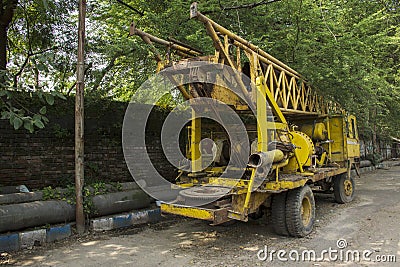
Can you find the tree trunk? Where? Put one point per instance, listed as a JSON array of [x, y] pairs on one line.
[[7, 9], [3, 47], [375, 141], [3, 53]]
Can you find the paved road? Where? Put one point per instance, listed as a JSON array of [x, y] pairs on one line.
[[371, 222]]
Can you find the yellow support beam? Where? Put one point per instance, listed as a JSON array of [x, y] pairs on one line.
[[195, 143], [262, 145], [202, 214], [249, 189]]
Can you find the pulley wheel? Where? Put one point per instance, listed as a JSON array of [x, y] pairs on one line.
[[204, 192]]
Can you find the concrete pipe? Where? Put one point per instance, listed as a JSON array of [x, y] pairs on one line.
[[38, 213], [14, 198], [120, 202], [365, 163], [24, 215], [20, 197]]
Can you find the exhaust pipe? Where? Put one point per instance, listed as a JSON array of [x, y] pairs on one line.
[[261, 158]]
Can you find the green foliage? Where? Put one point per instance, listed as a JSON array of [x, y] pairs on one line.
[[348, 49], [88, 192], [50, 193], [35, 59], [60, 132], [14, 107], [374, 158]]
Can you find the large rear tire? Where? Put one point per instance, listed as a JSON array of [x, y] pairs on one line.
[[343, 188], [300, 211], [278, 214]]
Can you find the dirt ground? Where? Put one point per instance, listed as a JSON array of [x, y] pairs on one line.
[[371, 222]]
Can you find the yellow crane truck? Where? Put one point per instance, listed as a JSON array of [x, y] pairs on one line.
[[311, 144]]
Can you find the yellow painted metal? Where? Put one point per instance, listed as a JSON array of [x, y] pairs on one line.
[[258, 159], [262, 131], [329, 138], [220, 47], [276, 125], [237, 216], [306, 210], [282, 184], [191, 212], [321, 161], [257, 198], [180, 185], [285, 185], [238, 61], [292, 93], [254, 48], [304, 150], [307, 173], [223, 94], [337, 133], [195, 143], [228, 182], [288, 94], [278, 155], [262, 134], [348, 187], [160, 65], [180, 87], [353, 148], [352, 142], [316, 131], [277, 168], [249, 189], [288, 88], [215, 170], [293, 166], [275, 108]]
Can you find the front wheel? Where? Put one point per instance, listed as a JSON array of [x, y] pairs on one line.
[[300, 211], [343, 188]]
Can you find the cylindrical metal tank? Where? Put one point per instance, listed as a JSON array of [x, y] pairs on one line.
[[316, 131]]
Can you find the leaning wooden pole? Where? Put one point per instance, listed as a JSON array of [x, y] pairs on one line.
[[79, 120]]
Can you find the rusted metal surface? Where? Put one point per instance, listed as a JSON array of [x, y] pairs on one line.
[[216, 216]]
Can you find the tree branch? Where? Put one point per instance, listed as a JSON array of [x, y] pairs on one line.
[[131, 7], [28, 32], [249, 6], [104, 72], [110, 65], [297, 31], [7, 9], [326, 24], [29, 55]]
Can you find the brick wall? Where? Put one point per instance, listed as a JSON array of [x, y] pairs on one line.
[[46, 157]]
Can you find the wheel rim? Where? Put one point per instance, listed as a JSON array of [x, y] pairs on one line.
[[348, 188], [306, 211]]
